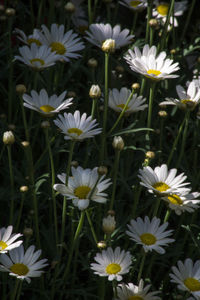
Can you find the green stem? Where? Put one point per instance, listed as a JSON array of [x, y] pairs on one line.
[[90, 11], [164, 32], [134, 22], [167, 215], [114, 284], [91, 227], [187, 117], [151, 95], [141, 266], [14, 293], [149, 14], [11, 184], [115, 170], [135, 202], [156, 207], [94, 103], [20, 210], [191, 7], [19, 290], [24, 119], [122, 113]]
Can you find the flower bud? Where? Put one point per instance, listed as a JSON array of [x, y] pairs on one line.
[[118, 143], [109, 224], [162, 113], [95, 91], [102, 170], [10, 12], [45, 124], [20, 89], [173, 51], [135, 86], [71, 94], [25, 144], [28, 232], [70, 7], [8, 138], [101, 245], [92, 62], [74, 163], [23, 189], [153, 23], [119, 69], [108, 46], [111, 212], [150, 154]]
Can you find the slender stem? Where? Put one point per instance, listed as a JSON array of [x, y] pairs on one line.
[[149, 14], [151, 95], [156, 207], [115, 170], [122, 113], [10, 64], [164, 32], [14, 293], [20, 210], [167, 215], [191, 7], [141, 266], [11, 184], [19, 290], [90, 11], [114, 284], [134, 22], [135, 202], [24, 119], [91, 227], [52, 184], [187, 117], [94, 103]]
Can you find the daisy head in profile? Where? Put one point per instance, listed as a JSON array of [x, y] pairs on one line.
[[23, 265], [83, 186], [112, 263], [77, 127], [28, 39], [8, 239], [162, 181], [150, 64], [135, 5], [150, 234], [131, 291], [107, 38], [187, 276], [45, 105]]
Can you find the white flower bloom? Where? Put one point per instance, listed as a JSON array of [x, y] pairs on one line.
[[189, 97], [37, 57], [150, 65], [112, 264], [44, 104], [161, 11], [83, 186], [131, 291], [23, 265], [183, 202], [76, 127], [163, 181], [187, 276], [118, 99], [135, 5], [7, 239], [64, 44], [150, 234], [100, 33], [32, 38]]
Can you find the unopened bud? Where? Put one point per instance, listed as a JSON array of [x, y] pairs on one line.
[[20, 88], [92, 62], [25, 144], [23, 189], [8, 138], [119, 69], [109, 224], [173, 51], [95, 92], [45, 124], [28, 232], [118, 143], [71, 94], [10, 12], [153, 22], [101, 245], [111, 212], [11, 126], [162, 113], [70, 7], [108, 46], [74, 163], [150, 154], [102, 170], [135, 86]]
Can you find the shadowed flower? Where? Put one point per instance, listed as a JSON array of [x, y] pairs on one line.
[[7, 239]]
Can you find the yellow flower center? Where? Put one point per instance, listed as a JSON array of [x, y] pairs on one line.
[[185, 101], [77, 131], [175, 199], [46, 108], [135, 298], [113, 268], [59, 48], [82, 191], [192, 284], [148, 239], [31, 40], [19, 269], [122, 106], [161, 186], [162, 9], [3, 245], [153, 72], [41, 61], [134, 3]]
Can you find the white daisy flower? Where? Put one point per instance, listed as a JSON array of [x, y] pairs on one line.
[[187, 98], [7, 239], [37, 57], [80, 187], [187, 276], [100, 34], [32, 38], [161, 11], [183, 202], [44, 104], [76, 127], [151, 66], [23, 265], [118, 99], [150, 234], [131, 291], [64, 44], [112, 264], [163, 181], [135, 5]]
